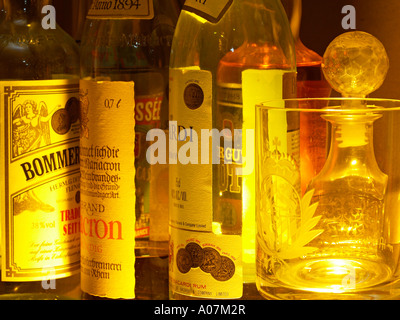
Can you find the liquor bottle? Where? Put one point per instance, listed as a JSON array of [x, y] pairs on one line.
[[125, 52], [226, 57], [311, 83], [40, 204]]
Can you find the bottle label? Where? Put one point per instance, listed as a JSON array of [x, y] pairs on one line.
[[40, 207], [119, 9], [190, 178], [108, 189], [211, 10], [219, 275], [205, 265]]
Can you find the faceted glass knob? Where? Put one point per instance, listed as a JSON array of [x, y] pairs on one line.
[[355, 64]]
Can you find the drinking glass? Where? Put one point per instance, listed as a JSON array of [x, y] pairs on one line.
[[327, 198]]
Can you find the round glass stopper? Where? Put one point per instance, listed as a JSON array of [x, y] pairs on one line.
[[355, 64]]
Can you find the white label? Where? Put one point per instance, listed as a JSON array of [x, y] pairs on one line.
[[120, 9], [190, 180], [108, 189], [206, 265]]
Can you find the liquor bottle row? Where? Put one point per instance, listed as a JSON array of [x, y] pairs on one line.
[[106, 192]]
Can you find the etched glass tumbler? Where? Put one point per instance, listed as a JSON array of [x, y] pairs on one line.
[[328, 190]]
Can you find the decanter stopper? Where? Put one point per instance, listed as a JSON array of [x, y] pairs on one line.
[[355, 64]]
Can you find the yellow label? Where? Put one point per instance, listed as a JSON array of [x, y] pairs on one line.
[[212, 10], [258, 86], [236, 110], [108, 189], [120, 9], [206, 265], [40, 205]]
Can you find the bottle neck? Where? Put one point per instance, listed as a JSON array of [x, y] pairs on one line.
[[25, 9], [352, 147], [255, 11]]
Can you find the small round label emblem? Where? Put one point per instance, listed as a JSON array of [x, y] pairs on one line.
[[193, 96]]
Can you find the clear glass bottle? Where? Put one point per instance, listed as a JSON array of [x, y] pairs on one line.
[[226, 57], [39, 76], [136, 48], [349, 193]]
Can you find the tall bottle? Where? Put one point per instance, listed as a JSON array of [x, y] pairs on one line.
[[311, 83], [40, 204], [125, 52], [226, 57]]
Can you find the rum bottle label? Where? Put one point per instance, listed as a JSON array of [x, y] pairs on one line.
[[40, 210], [206, 265], [204, 262], [190, 180]]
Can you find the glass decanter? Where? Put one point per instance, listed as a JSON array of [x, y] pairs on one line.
[[330, 242], [349, 192]]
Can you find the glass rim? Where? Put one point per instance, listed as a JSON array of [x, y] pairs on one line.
[[372, 104]]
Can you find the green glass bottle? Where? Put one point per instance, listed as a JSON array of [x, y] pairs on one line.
[[40, 204]]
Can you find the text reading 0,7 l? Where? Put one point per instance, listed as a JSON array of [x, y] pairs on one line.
[[111, 103]]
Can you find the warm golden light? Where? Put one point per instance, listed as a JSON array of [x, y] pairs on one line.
[[249, 220], [216, 228], [197, 17]]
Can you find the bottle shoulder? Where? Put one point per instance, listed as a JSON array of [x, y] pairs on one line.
[[249, 34], [117, 47], [31, 52], [34, 34]]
